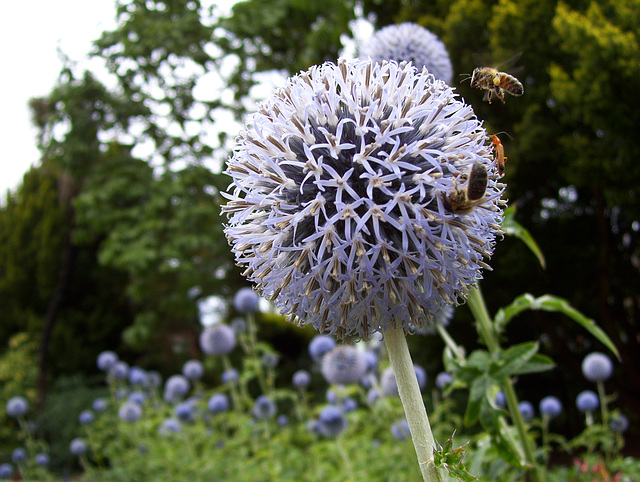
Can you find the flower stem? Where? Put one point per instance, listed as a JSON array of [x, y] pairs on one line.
[[489, 336], [412, 401]]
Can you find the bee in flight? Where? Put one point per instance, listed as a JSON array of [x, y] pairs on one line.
[[495, 83], [463, 200]]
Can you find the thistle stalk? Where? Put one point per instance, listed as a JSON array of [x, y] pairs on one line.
[[489, 336], [414, 409]]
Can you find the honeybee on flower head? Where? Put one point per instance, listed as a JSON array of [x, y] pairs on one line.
[[495, 83]]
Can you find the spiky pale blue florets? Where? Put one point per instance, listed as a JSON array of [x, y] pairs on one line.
[[412, 43], [344, 365], [341, 208], [597, 367]]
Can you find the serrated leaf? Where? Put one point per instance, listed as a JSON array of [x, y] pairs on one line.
[[512, 359], [513, 228], [450, 459]]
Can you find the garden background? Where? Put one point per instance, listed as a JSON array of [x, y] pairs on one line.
[[115, 239]]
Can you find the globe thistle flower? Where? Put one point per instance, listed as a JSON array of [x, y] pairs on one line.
[[301, 379], [597, 367], [17, 407], [6, 471], [372, 361], [550, 406], [400, 429], [99, 405], [129, 412], [106, 360], [218, 403], [193, 369], [348, 404], [264, 408], [526, 410], [18, 456], [331, 421], [270, 360], [217, 340], [344, 365], [372, 395], [239, 326], [154, 379], [176, 388], [619, 423], [587, 401], [246, 301], [389, 383], [43, 459], [230, 376], [185, 410], [137, 398], [443, 379], [169, 426], [86, 417], [282, 420], [137, 376], [348, 208], [119, 370], [320, 345], [412, 43], [442, 316], [78, 447]]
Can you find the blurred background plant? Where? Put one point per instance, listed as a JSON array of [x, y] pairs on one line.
[[115, 242]]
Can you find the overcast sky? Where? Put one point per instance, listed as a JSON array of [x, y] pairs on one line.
[[30, 35]]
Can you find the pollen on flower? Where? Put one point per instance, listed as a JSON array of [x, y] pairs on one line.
[[338, 208]]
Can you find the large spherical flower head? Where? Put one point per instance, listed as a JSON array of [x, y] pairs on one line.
[[6, 471], [320, 345], [344, 365], [597, 367], [264, 408], [218, 403], [587, 401], [527, 411], [129, 412], [331, 421], [217, 340], [77, 446], [412, 43], [17, 407], [550, 406], [176, 388], [193, 369], [348, 208], [106, 360], [246, 300]]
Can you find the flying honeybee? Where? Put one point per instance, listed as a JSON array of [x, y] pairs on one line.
[[462, 200], [495, 83], [498, 149]]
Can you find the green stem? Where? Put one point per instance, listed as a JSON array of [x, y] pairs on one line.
[[450, 342], [489, 336], [603, 403], [414, 409]]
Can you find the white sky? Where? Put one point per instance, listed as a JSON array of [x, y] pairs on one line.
[[30, 34]]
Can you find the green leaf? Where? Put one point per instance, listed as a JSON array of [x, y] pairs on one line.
[[538, 363], [450, 459], [513, 228], [513, 358], [553, 304], [477, 392]]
